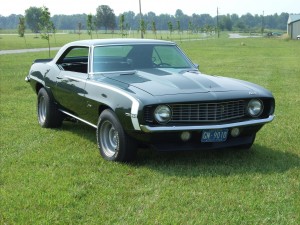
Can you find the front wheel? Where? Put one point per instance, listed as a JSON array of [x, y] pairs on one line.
[[114, 144]]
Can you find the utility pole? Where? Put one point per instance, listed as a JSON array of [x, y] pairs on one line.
[[218, 22], [142, 35]]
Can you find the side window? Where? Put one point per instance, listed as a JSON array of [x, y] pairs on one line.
[[75, 59]]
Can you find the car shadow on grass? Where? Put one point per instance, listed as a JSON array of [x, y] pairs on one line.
[[225, 162], [80, 129], [222, 162]]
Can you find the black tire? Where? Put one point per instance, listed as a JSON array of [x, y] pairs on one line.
[[114, 144], [48, 115]]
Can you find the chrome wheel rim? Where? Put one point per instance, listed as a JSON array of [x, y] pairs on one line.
[[42, 110], [109, 139]]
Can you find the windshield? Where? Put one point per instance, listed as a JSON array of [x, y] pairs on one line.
[[135, 57]]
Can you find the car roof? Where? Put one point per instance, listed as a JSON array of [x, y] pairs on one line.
[[113, 41]]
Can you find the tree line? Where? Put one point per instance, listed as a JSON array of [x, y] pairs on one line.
[[105, 19]]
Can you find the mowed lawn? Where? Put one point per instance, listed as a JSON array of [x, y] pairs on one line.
[[56, 176]]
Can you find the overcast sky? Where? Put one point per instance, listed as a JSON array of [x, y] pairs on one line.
[[240, 7]]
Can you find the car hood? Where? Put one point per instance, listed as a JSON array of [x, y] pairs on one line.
[[158, 82]]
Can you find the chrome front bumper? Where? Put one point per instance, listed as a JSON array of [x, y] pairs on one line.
[[149, 129]]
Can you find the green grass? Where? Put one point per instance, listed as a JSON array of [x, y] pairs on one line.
[[56, 176]]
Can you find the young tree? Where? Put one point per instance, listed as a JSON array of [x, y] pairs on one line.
[[79, 29], [190, 27], [54, 32], [121, 25], [154, 29], [95, 27], [170, 27], [90, 25], [143, 27], [46, 26], [179, 28], [21, 26]]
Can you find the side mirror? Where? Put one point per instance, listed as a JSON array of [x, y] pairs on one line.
[[196, 65]]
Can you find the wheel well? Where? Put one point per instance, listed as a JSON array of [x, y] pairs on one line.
[[38, 87], [102, 108]]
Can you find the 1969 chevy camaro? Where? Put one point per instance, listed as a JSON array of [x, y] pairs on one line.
[[138, 91]]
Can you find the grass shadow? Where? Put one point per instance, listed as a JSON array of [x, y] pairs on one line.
[[225, 162], [80, 129]]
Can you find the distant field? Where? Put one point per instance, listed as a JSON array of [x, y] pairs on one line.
[[56, 176]]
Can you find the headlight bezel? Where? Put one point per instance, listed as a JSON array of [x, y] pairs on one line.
[[160, 114], [255, 108]]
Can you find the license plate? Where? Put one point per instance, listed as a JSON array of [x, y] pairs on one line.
[[218, 135]]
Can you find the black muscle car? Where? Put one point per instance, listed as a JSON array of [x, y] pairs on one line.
[[138, 91]]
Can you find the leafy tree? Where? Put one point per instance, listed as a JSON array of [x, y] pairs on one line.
[[21, 27], [150, 16], [234, 19], [70, 22], [46, 26], [226, 23], [130, 19], [32, 18], [105, 17], [9, 22], [248, 20], [281, 22], [179, 14], [241, 25], [90, 25]]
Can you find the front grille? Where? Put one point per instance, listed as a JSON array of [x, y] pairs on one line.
[[203, 112]]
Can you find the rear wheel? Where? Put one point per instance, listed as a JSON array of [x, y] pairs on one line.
[[48, 115], [114, 144]]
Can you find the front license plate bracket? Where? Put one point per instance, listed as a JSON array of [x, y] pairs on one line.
[[214, 135]]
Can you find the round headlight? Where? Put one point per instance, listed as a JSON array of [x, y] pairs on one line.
[[162, 114], [255, 108]]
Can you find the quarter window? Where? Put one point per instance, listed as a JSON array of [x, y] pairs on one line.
[[75, 59]]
